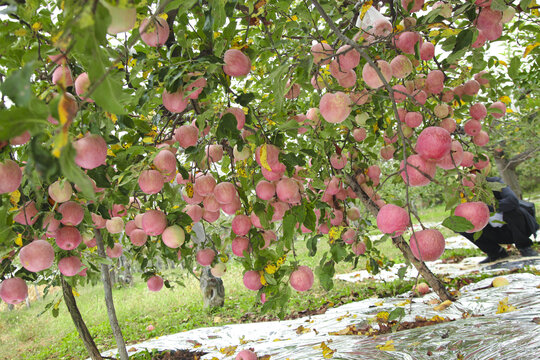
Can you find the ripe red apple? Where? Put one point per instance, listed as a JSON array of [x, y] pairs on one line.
[[335, 108], [246, 355], [70, 266], [430, 242], [187, 135], [225, 192], [476, 212], [205, 256], [10, 176], [359, 248], [154, 283], [359, 134], [472, 127], [348, 58], [62, 75], [422, 288], [500, 106], [151, 181], [481, 139], [91, 151], [433, 143], [302, 279], [241, 224], [72, 213], [412, 176], [427, 51], [370, 77], [252, 280], [138, 237], [37, 256], [154, 222], [82, 84], [154, 33], [453, 158], [204, 185], [393, 220], [13, 290], [322, 53], [478, 111], [20, 139], [237, 64], [115, 251], [416, 5], [239, 245], [68, 238]]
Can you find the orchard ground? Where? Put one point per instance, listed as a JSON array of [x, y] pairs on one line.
[[24, 334]]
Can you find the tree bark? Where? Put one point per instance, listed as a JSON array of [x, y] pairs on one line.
[[73, 310], [438, 287], [113, 321]]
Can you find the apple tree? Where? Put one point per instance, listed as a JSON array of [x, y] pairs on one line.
[[125, 123]]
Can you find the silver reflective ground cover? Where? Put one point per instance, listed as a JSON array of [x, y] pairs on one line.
[[510, 335]]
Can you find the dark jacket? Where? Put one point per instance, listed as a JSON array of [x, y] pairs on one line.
[[521, 223]]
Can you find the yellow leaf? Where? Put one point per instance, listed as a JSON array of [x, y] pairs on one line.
[[365, 8], [505, 99], [270, 268], [188, 228], [18, 240], [503, 63], [147, 140], [75, 293], [503, 306], [20, 32], [36, 26], [164, 16], [530, 48], [388, 346], [443, 305], [263, 157], [189, 189], [383, 315], [302, 330], [403, 303], [14, 197], [327, 352], [380, 303]]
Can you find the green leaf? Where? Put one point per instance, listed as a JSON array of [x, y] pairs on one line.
[[496, 186], [311, 244], [477, 235], [245, 99], [457, 223], [464, 39], [338, 252], [74, 173], [498, 5], [396, 314], [17, 86], [513, 69], [402, 271], [289, 223], [16, 120], [260, 211], [310, 218], [227, 128], [109, 94], [325, 273]]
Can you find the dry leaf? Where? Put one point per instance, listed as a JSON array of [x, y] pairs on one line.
[[503, 307], [388, 346], [229, 350], [302, 330], [327, 352], [442, 306]]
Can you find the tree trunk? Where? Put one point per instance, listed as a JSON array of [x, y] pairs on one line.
[[508, 172], [120, 343], [73, 310], [212, 289], [433, 281]]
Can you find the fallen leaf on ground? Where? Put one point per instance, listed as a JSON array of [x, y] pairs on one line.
[[503, 307], [388, 346], [442, 306]]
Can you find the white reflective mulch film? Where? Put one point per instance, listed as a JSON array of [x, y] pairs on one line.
[[467, 266], [512, 334]]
